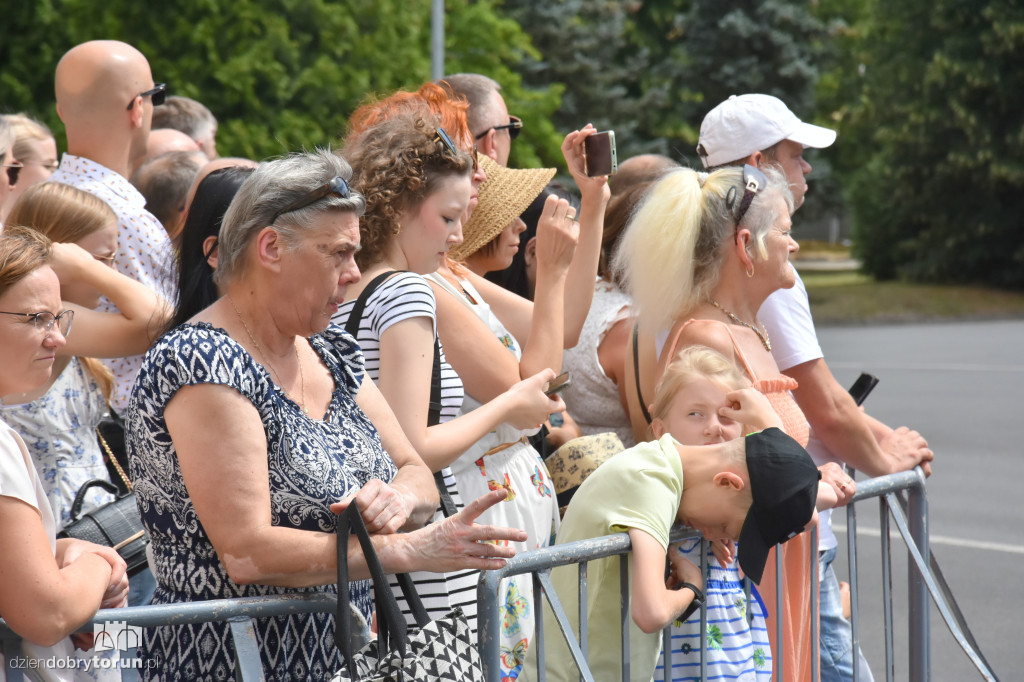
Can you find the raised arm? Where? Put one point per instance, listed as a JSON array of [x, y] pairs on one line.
[[142, 315]]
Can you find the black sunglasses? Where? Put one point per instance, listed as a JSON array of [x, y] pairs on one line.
[[158, 93], [13, 171], [514, 126], [753, 182], [337, 186]]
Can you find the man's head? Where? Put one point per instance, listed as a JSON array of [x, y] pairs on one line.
[[192, 118], [165, 141], [165, 181], [105, 97], [637, 170], [760, 490], [760, 129], [488, 116]]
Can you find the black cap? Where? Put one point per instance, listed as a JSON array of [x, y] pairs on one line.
[[784, 486]]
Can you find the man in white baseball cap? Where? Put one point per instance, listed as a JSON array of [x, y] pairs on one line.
[[758, 128], [761, 130]]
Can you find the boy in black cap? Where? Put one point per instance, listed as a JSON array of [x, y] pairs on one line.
[[760, 490]]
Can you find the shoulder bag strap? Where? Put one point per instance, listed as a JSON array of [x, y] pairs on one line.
[[356, 316], [636, 372]]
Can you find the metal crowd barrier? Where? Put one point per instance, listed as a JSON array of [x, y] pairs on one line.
[[910, 517], [238, 613], [912, 525]]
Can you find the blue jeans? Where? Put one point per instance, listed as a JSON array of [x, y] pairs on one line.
[[141, 588], [836, 634]]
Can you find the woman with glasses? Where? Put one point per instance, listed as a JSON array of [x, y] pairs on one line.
[[701, 254], [36, 150], [50, 587], [59, 417], [418, 188], [253, 423]]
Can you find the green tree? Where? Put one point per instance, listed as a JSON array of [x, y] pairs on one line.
[[940, 195], [279, 74]]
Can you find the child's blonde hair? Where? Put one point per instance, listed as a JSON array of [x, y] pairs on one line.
[[690, 364]]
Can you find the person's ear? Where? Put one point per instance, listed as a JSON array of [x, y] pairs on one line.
[[530, 253], [136, 114], [485, 145], [658, 428], [210, 249], [729, 480], [754, 159], [269, 248], [742, 246]]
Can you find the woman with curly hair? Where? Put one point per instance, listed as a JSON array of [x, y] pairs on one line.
[[418, 188]]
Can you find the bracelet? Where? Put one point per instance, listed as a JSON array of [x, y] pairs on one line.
[[698, 601]]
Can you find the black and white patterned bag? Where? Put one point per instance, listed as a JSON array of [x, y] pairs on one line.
[[441, 650]]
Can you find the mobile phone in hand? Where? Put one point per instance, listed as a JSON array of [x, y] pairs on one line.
[[599, 154], [558, 384], [862, 387]]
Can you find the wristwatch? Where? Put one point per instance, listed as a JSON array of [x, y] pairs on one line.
[[698, 601]]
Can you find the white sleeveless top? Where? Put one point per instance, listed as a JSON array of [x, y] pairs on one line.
[[593, 398]]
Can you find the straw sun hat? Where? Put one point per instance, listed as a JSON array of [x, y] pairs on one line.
[[505, 194]]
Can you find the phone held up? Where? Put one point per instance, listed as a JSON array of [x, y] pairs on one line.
[[862, 387], [599, 154], [558, 384]]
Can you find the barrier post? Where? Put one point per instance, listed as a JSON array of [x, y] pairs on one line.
[[918, 599]]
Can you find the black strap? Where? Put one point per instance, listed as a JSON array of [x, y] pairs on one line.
[[76, 506], [392, 631], [636, 371], [434, 410]]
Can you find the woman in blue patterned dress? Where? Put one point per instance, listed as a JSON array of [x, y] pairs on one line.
[[251, 425]]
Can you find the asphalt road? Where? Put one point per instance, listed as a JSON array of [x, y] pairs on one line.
[[961, 386]]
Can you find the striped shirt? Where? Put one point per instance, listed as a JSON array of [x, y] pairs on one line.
[[406, 296]]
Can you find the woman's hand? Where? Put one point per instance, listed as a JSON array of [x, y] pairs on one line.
[[459, 543], [530, 406], [116, 594], [385, 508], [843, 486], [72, 263], [558, 232], [750, 407], [575, 158]]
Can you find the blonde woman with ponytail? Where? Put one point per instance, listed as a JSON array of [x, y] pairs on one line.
[[699, 258], [58, 419]]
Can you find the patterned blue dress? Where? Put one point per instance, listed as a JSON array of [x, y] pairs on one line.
[[312, 464]]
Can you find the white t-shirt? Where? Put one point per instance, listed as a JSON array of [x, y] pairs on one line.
[[786, 315]]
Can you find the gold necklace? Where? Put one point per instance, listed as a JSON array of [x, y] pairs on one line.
[[762, 335], [252, 337]]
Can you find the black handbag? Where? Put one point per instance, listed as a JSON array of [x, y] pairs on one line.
[[116, 524], [441, 650]]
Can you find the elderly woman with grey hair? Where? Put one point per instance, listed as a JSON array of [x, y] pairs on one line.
[[251, 424]]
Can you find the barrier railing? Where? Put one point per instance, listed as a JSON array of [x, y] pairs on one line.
[[912, 525], [238, 613]]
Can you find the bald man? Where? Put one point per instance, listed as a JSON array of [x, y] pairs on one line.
[[105, 97], [164, 141]]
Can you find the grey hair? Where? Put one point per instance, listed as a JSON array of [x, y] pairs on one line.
[[272, 187], [477, 89]]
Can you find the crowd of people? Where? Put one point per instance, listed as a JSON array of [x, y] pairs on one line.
[[265, 343]]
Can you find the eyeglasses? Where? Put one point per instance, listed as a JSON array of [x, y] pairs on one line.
[[442, 136], [13, 170], [514, 125], [337, 186], [44, 321], [158, 93], [753, 182]]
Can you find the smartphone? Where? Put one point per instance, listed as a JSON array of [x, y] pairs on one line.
[[862, 387], [558, 384], [599, 154]]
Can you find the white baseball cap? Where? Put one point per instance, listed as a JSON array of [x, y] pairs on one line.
[[744, 124]]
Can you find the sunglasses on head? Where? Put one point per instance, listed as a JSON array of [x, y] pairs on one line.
[[753, 182], [337, 187], [13, 171], [514, 126], [158, 93]]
